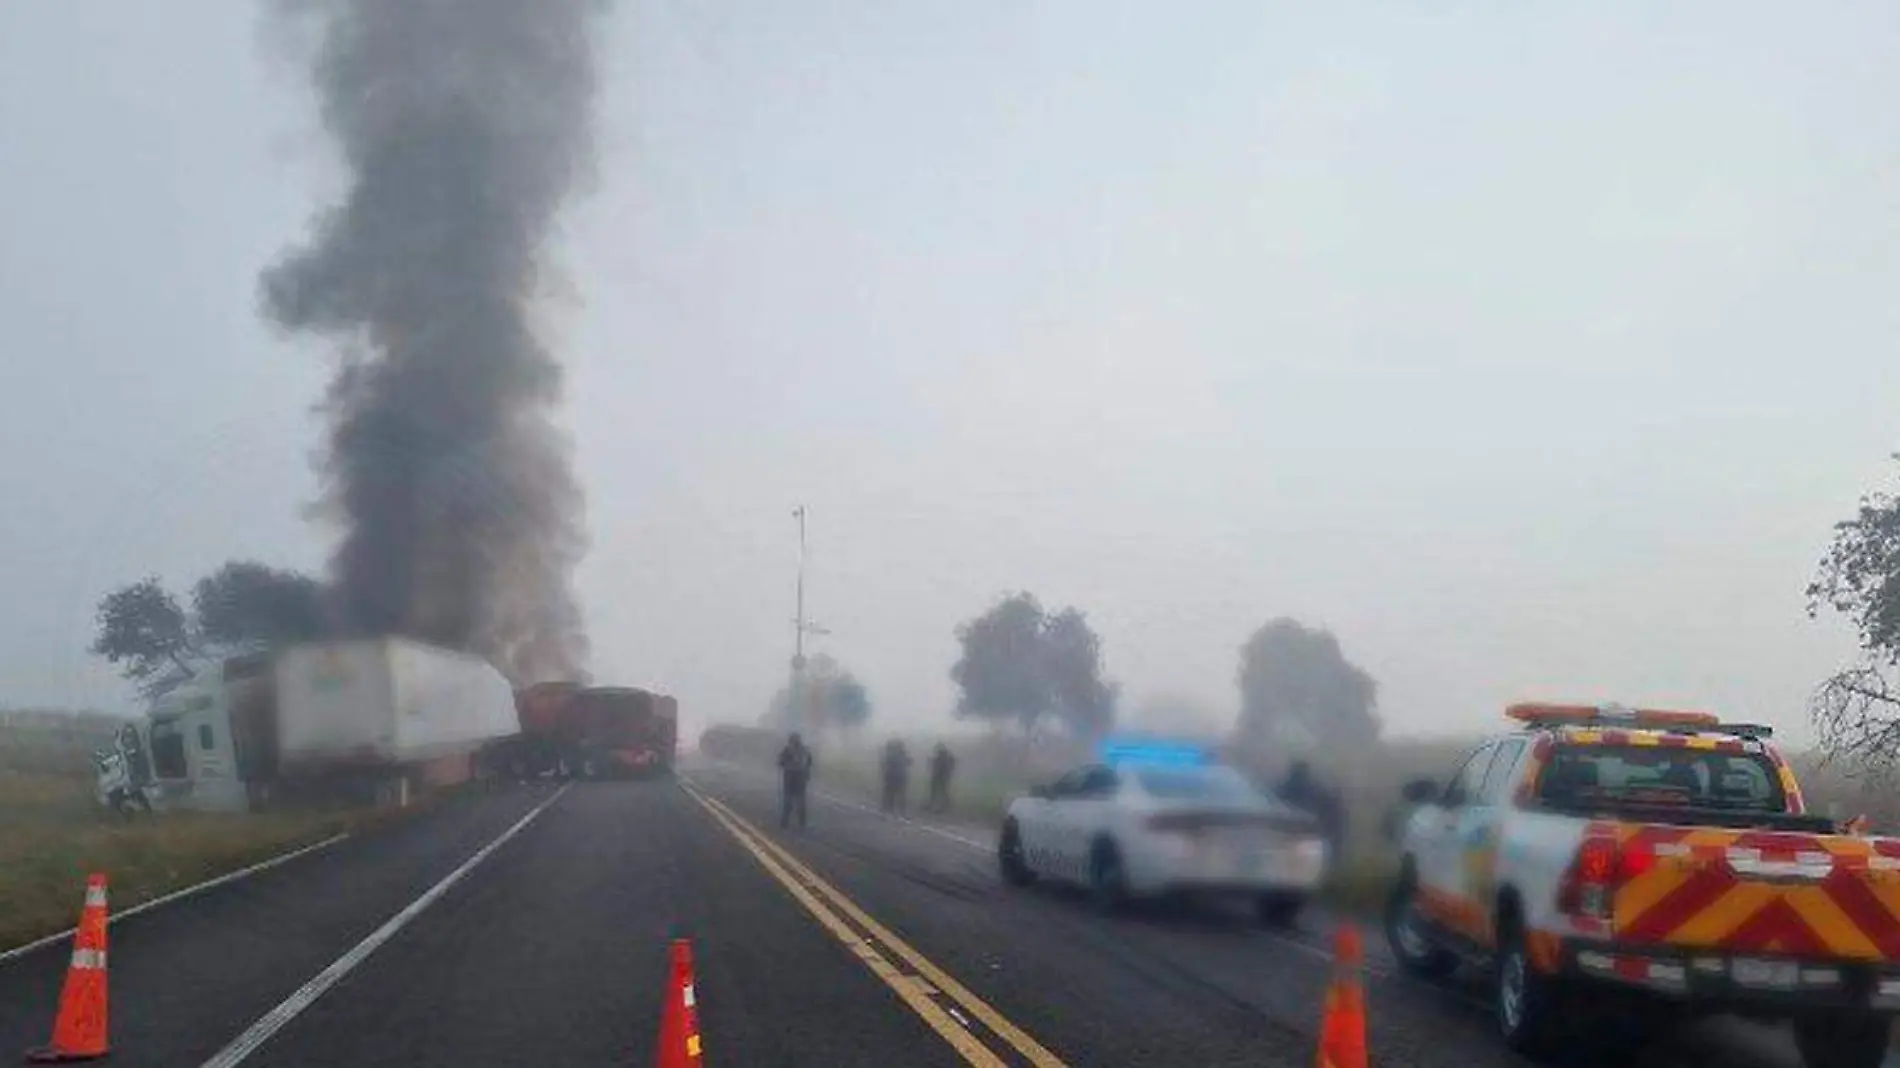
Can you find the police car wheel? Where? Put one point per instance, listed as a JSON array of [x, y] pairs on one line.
[[1278, 908], [1842, 1039], [1108, 882], [1009, 856]]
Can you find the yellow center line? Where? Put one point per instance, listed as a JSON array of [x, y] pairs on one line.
[[906, 987], [1031, 1050]]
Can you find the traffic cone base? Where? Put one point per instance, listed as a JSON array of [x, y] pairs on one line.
[[1342, 1029], [679, 1017], [79, 1031]]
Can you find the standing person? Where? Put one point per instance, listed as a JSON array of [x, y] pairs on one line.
[[794, 769], [1302, 789], [943, 764], [896, 776]]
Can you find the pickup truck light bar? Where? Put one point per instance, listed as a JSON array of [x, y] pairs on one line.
[[1550, 715]]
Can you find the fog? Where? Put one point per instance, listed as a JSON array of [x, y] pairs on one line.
[[1532, 352]]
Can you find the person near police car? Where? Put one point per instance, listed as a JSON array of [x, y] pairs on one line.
[[795, 763]]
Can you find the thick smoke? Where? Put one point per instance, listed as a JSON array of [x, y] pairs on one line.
[[462, 126]]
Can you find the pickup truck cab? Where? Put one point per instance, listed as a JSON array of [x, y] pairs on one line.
[[1603, 853]]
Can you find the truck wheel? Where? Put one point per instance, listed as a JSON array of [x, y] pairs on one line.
[[1842, 1039], [1528, 1003], [1405, 932], [1009, 856]]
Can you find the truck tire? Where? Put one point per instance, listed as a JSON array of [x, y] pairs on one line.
[[1528, 1004], [1843, 1039], [1411, 945]]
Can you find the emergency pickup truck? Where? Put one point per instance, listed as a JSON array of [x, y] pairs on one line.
[[1657, 859]]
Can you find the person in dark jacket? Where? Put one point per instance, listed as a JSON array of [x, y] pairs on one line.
[[1302, 789], [794, 769], [896, 776], [943, 764]]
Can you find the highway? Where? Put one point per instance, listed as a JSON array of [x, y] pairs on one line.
[[529, 925]]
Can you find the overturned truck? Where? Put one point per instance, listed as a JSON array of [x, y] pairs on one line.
[[366, 719]]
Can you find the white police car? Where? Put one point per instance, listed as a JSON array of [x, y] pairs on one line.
[[1152, 819]]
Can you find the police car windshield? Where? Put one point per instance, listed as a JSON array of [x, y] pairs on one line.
[[1198, 784], [1662, 776]]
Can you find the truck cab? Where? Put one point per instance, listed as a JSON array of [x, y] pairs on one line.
[[181, 755], [1656, 857]]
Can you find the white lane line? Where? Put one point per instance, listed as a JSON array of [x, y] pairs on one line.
[[165, 899], [860, 806], [906, 820], [273, 1021]]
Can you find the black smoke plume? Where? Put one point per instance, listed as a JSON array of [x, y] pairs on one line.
[[462, 127]]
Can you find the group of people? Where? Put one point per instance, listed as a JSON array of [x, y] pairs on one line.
[[894, 769], [796, 762]]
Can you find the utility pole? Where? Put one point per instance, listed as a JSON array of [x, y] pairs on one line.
[[797, 703], [798, 621], [800, 704]]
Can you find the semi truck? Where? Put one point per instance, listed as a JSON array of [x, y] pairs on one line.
[[625, 731], [569, 730], [366, 718]]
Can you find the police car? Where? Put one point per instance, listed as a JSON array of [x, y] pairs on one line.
[[1150, 819]]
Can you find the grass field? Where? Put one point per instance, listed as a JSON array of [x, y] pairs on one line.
[[54, 835]]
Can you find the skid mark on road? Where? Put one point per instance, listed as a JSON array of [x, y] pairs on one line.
[[274, 1021], [937, 998]]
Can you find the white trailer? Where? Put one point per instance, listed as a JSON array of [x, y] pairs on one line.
[[376, 715]]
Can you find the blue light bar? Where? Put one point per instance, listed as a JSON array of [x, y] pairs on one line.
[[1118, 751]]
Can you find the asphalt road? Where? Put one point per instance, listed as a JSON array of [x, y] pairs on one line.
[[862, 940]]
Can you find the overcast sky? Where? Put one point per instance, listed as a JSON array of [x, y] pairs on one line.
[[1531, 348]]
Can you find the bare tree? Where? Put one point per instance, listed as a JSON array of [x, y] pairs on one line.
[[1856, 711]]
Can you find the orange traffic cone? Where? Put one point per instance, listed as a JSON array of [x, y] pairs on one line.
[[679, 1018], [79, 1031], [1342, 1031]]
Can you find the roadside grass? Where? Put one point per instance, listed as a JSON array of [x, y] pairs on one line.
[[975, 799], [54, 834]]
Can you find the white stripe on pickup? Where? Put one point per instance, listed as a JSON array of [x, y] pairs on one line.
[[1810, 865]]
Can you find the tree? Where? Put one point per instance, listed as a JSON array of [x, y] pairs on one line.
[[830, 697], [1021, 664], [1296, 687], [1072, 659], [1856, 711], [246, 603], [242, 605], [1000, 674], [143, 631]]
